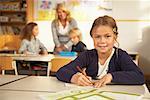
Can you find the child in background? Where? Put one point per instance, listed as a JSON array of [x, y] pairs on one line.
[[75, 36], [30, 44]]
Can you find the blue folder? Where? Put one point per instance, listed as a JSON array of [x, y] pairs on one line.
[[66, 53]]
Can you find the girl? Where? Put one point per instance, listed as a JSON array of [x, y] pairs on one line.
[[30, 44], [106, 62]]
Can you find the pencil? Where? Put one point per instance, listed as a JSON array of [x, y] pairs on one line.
[[81, 71]]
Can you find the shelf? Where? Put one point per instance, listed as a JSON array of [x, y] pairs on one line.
[[12, 11], [12, 23], [13, 16]]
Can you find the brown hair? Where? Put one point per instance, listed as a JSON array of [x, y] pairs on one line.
[[77, 32], [27, 31], [63, 8], [105, 20]]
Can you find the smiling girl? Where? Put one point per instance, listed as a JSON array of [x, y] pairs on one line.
[[106, 63]]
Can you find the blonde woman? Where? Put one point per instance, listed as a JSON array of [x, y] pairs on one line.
[[61, 25]]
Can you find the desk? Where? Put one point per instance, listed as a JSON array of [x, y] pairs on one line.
[[8, 50], [20, 95], [24, 57], [24, 95], [31, 87], [36, 84], [51, 84], [43, 58], [10, 78]]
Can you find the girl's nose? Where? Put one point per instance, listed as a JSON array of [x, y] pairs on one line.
[[102, 39]]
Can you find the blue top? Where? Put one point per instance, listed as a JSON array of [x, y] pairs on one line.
[[121, 67], [79, 47]]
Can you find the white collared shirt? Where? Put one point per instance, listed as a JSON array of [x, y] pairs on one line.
[[63, 30], [102, 69]]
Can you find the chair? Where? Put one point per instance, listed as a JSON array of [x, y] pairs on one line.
[[135, 57], [57, 63], [7, 63]]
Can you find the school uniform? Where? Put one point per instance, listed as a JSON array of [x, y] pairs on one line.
[[121, 67], [79, 47]]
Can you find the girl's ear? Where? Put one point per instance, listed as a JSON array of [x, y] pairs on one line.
[[115, 37]]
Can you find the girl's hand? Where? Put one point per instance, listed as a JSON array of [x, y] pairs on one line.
[[81, 79], [103, 81], [44, 53]]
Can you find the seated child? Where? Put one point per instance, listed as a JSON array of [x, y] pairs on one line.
[[30, 44], [75, 36]]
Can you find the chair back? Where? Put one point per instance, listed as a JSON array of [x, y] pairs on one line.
[[57, 63], [7, 63]]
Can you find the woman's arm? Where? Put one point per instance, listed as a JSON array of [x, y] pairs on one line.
[[54, 34]]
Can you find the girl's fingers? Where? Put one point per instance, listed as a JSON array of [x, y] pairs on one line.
[[84, 71], [83, 80], [98, 84]]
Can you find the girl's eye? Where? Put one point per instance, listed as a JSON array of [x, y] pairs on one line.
[[108, 36], [97, 36]]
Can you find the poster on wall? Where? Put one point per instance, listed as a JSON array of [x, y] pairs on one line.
[[43, 9], [82, 10]]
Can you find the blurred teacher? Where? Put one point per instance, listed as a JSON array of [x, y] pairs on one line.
[[61, 26]]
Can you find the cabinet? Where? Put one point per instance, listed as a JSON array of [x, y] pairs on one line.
[[9, 43], [13, 17]]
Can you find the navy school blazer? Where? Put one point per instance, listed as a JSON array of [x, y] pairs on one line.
[[121, 67]]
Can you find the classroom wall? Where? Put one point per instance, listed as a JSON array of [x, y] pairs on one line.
[[133, 20], [134, 28]]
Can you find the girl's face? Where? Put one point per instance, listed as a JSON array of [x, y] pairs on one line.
[[74, 38], [35, 31], [104, 39], [61, 14]]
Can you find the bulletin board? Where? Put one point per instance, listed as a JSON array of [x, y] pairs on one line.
[[81, 10]]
